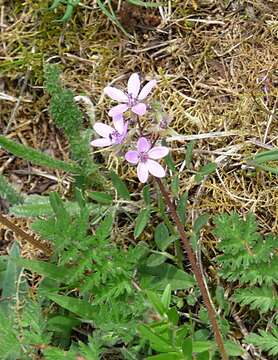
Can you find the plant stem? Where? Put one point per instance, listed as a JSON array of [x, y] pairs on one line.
[[195, 268], [36, 243]]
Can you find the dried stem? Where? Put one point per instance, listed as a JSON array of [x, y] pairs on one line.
[[36, 243], [195, 268]]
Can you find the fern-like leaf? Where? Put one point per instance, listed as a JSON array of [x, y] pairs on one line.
[[266, 341], [264, 298]]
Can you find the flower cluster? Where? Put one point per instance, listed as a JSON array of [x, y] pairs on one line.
[[134, 100]]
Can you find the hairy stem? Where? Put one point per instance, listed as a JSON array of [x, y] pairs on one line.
[[195, 268], [36, 243]]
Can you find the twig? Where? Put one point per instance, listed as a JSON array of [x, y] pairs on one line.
[[36, 243], [195, 268]]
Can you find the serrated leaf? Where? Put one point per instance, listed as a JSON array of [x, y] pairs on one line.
[[36, 157], [147, 195], [44, 268], [141, 222], [120, 186], [79, 307], [181, 207], [266, 341]]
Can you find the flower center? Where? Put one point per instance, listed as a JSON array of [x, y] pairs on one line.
[[116, 137], [131, 100], [143, 157]]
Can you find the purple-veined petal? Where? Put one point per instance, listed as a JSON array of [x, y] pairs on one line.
[[103, 129], [118, 122], [132, 157], [158, 152], [146, 89], [101, 142], [139, 109], [133, 85], [118, 110], [115, 94], [155, 169], [143, 145], [142, 172]]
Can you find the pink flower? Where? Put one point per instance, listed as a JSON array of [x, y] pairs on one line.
[[144, 159], [110, 135], [132, 99]]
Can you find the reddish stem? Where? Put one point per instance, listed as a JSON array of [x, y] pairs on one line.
[[195, 268]]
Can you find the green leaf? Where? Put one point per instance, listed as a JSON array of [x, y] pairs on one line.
[[141, 222], [167, 356], [162, 237], [79, 307], [44, 268], [187, 348], [62, 323], [10, 348], [147, 4], [156, 302], [101, 197], [175, 185], [181, 207], [204, 171], [266, 340], [166, 296], [197, 227], [111, 15], [120, 186], [147, 195], [233, 349], [159, 277], [270, 155], [188, 155], [202, 346], [155, 259], [158, 343], [9, 286], [7, 192], [36, 157]]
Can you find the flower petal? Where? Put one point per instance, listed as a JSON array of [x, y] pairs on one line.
[[115, 94], [103, 129], [133, 85], [118, 122], [132, 157], [143, 145], [146, 90], [139, 109], [155, 169], [142, 172], [101, 142], [118, 110], [158, 152]]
